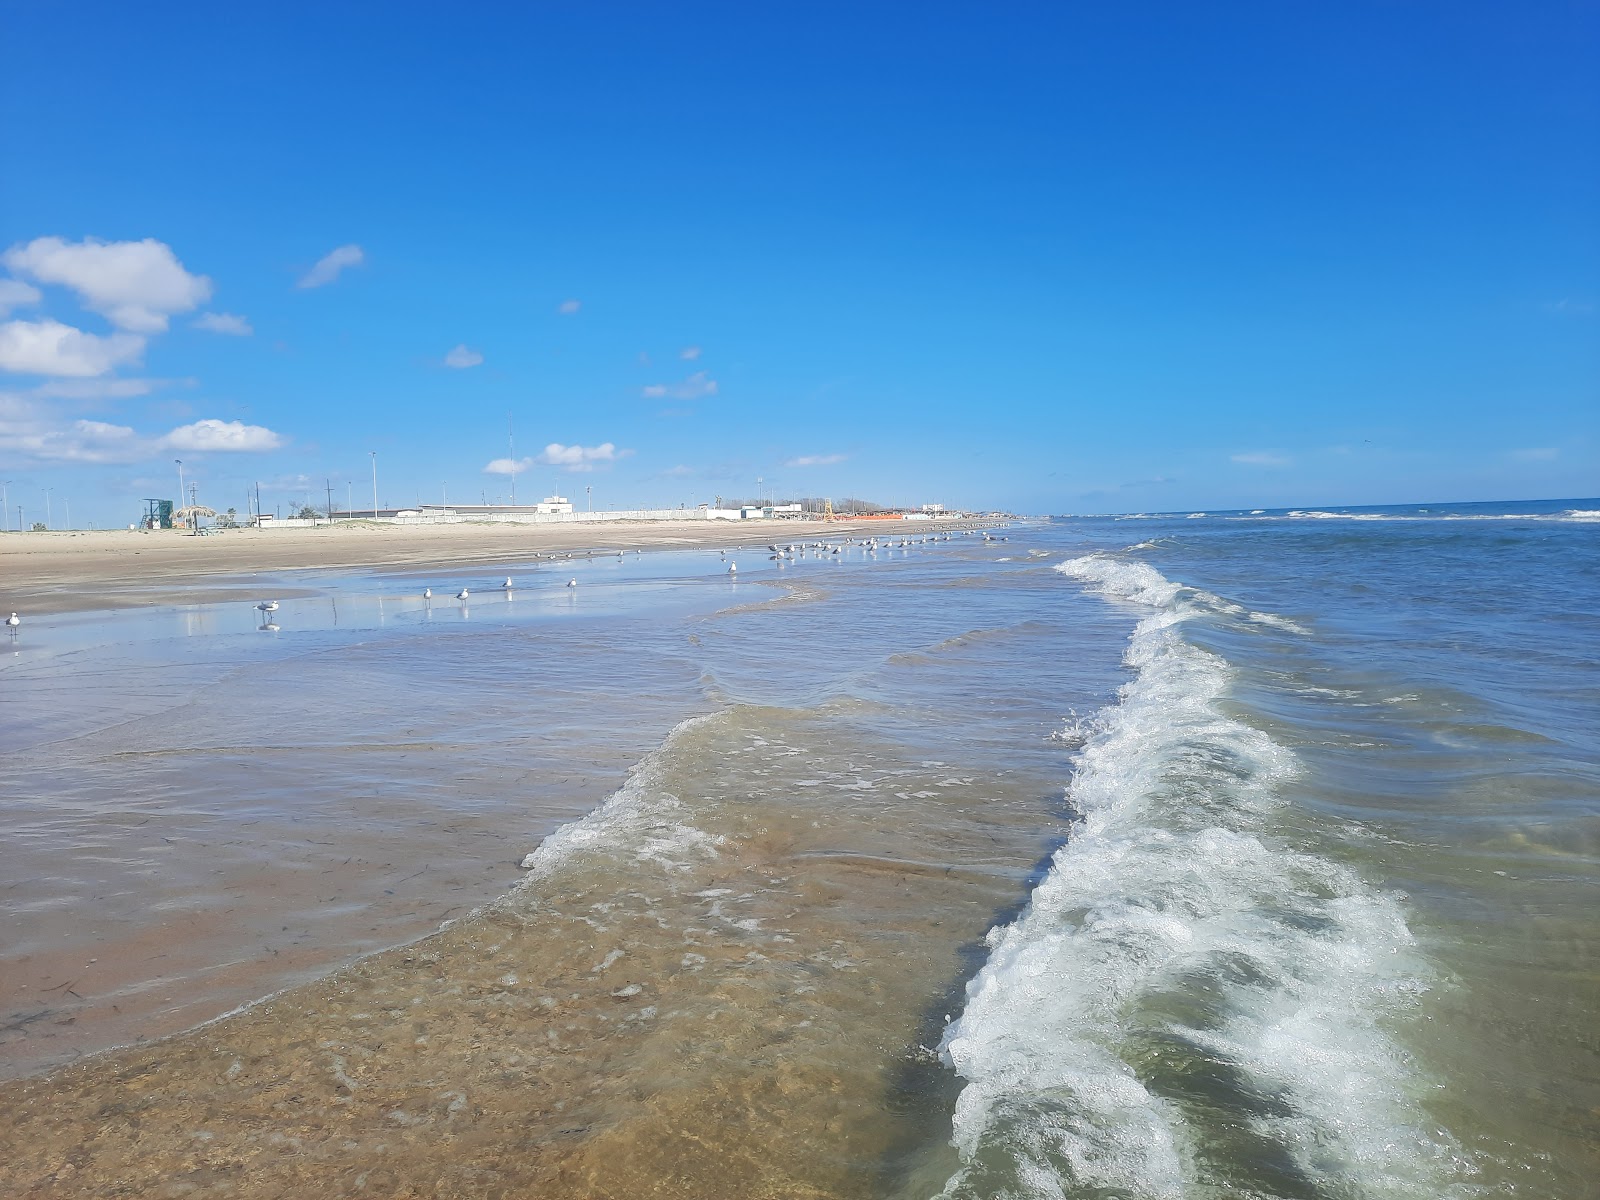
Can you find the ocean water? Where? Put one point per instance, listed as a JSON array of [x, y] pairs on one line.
[[1225, 854]]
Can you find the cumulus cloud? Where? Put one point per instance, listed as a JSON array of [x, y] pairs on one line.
[[30, 432], [229, 323], [580, 458], [1262, 458], [567, 307], [331, 265], [226, 436], [16, 294], [462, 358], [816, 460], [696, 387], [507, 466], [690, 353], [135, 285], [48, 347]]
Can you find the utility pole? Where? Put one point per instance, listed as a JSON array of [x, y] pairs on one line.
[[329, 484], [5, 506], [179, 461], [47, 492], [588, 490], [511, 444], [374, 454], [349, 494]]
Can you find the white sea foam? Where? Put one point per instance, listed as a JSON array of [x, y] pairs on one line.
[[1173, 939], [641, 820]]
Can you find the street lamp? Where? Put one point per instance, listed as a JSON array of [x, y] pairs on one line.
[[374, 454], [47, 521], [179, 461], [588, 490], [5, 507]]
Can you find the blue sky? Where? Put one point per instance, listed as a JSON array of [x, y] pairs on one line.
[[1050, 257]]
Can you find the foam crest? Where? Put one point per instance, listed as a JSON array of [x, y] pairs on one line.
[[1186, 1003], [641, 821]]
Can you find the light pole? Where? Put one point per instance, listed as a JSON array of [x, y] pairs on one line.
[[47, 492], [349, 493], [5, 506], [588, 490], [179, 461], [374, 454]]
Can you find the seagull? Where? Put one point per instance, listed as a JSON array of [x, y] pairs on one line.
[[268, 606], [462, 594], [507, 583], [427, 593], [572, 583], [733, 568], [12, 622]]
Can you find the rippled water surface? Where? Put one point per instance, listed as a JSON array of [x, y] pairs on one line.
[[1234, 855]]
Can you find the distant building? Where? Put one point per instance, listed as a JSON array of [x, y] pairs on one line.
[[549, 506]]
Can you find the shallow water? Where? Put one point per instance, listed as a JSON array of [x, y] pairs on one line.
[[910, 901]]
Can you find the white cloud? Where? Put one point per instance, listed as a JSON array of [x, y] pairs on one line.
[[135, 285], [97, 389], [331, 264], [816, 460], [508, 466], [580, 458], [1536, 454], [567, 307], [690, 353], [227, 436], [30, 432], [678, 472], [1262, 458], [50, 348], [16, 294], [696, 387], [461, 358], [228, 323]]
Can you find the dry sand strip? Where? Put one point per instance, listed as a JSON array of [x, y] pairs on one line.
[[80, 571]]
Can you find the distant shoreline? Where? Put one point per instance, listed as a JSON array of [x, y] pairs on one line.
[[79, 571]]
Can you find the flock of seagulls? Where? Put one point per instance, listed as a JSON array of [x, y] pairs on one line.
[[793, 551], [779, 553]]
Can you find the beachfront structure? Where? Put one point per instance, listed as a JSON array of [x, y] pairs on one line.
[[550, 506]]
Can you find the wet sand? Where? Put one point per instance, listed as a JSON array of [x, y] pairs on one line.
[[747, 1008], [84, 570]]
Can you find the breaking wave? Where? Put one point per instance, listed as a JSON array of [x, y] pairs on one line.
[[1188, 1003]]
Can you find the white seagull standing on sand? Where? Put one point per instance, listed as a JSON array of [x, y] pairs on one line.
[[507, 583], [462, 594], [427, 593], [268, 606], [572, 583], [12, 622], [733, 568]]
